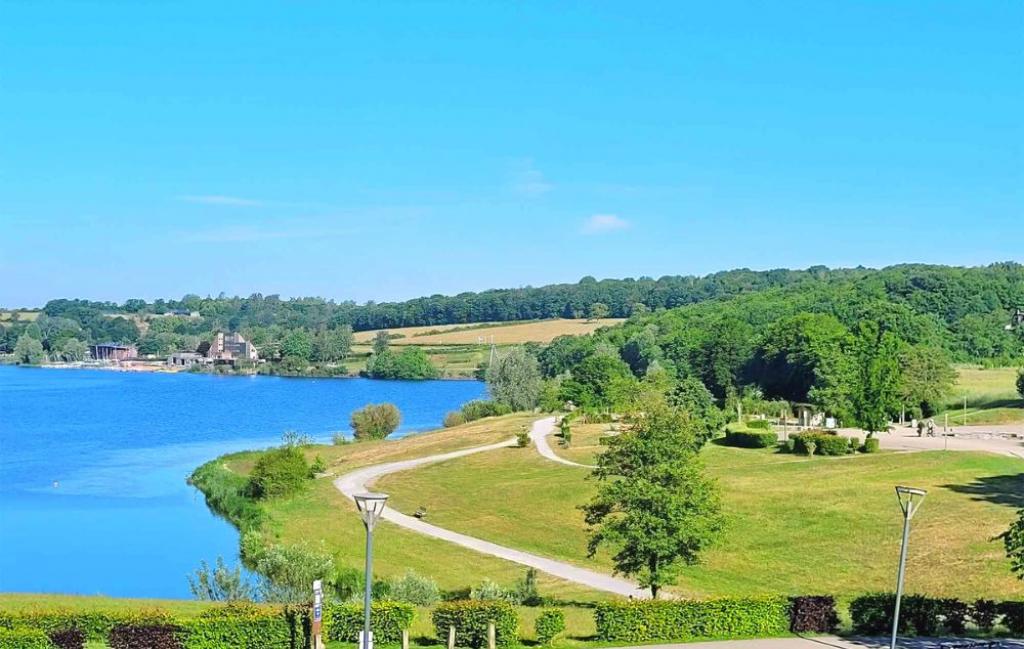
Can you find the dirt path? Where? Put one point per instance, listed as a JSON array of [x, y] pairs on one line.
[[360, 481]]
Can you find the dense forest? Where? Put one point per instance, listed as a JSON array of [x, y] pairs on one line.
[[960, 311]]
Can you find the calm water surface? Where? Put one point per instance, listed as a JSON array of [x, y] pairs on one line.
[[93, 465]]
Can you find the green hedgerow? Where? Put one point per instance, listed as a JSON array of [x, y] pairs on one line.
[[549, 624]]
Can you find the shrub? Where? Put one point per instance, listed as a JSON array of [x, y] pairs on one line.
[[954, 615], [919, 615], [481, 408], [984, 614], [677, 620], [160, 636], [318, 466], [375, 421], [813, 614], [1013, 617], [454, 418], [751, 439], [824, 443], [759, 424], [523, 439], [871, 445], [96, 625], [24, 639], [416, 589], [526, 591], [344, 622], [549, 624], [489, 590], [245, 626], [854, 445], [68, 639], [278, 472], [470, 619]]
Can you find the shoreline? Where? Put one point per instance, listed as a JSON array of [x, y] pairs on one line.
[[152, 368]]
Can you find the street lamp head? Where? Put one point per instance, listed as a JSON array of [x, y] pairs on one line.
[[906, 497], [911, 491], [371, 507]]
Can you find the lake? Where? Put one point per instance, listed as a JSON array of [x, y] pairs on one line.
[[93, 498]]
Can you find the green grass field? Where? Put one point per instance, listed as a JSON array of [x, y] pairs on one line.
[[796, 525], [992, 397]]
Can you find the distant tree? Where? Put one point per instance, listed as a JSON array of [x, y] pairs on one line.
[[599, 382], [332, 345], [220, 584], [289, 571], [298, 344], [134, 305], [410, 364], [876, 377], [926, 379], [28, 350], [375, 421], [791, 351], [690, 396], [1013, 540], [1020, 383], [73, 350], [514, 379], [381, 341], [654, 506], [598, 311], [121, 330], [564, 353]]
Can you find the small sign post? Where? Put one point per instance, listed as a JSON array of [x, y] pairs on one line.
[[318, 614]]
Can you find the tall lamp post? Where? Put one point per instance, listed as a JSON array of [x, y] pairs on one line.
[[371, 507], [906, 496]]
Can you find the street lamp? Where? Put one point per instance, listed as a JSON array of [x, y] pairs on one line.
[[906, 496], [371, 507]]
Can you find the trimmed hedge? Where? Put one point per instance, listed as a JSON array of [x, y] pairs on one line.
[[647, 621], [813, 614], [344, 622], [929, 616], [470, 619], [245, 626], [96, 625], [751, 439], [825, 443], [759, 424], [549, 624], [872, 445], [68, 639], [1013, 617], [24, 639]]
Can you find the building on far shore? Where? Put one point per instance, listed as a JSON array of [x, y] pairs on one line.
[[226, 349], [187, 359], [113, 352]]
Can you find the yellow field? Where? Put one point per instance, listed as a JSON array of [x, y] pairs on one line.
[[538, 331], [24, 316]]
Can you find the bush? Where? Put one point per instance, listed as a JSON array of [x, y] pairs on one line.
[[954, 614], [549, 624], [415, 589], [96, 625], [526, 591], [871, 445], [68, 639], [759, 424], [481, 408], [523, 439], [375, 421], [454, 418], [813, 614], [24, 639], [278, 472], [919, 615], [1013, 617], [470, 619], [677, 620], [854, 445], [751, 439], [824, 443], [160, 636], [984, 614], [344, 622], [245, 626]]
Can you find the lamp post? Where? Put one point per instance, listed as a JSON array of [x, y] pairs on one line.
[[371, 507], [906, 496]]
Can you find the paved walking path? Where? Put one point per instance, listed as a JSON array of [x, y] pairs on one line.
[[990, 439], [360, 480], [539, 432]]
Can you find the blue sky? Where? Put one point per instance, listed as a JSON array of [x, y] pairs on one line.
[[379, 150]]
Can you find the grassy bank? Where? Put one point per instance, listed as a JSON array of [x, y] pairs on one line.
[[992, 397]]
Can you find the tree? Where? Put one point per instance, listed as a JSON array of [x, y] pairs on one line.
[[381, 341], [28, 350], [298, 344], [1013, 540], [412, 363], [598, 311], [220, 584], [73, 350], [279, 472], [926, 379], [514, 379], [690, 396], [1020, 382], [600, 382], [375, 421], [654, 505], [876, 377], [333, 345]]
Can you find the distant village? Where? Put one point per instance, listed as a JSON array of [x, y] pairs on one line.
[[226, 349]]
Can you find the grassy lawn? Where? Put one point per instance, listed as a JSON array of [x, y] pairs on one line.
[[321, 515], [796, 525], [992, 397]]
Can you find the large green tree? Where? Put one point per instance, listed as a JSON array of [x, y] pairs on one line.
[[655, 508], [29, 351], [876, 377], [599, 382], [926, 379], [514, 379], [1013, 540]]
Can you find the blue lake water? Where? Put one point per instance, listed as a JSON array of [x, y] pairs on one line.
[[93, 465]]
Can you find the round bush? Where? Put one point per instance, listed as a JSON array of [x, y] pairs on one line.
[[872, 445], [549, 624]]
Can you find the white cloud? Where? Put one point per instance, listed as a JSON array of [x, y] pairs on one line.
[[217, 199], [528, 181], [600, 223]]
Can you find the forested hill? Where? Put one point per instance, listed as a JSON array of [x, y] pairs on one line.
[[964, 307]]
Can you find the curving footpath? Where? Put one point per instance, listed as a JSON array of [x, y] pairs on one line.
[[359, 480], [539, 433]]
